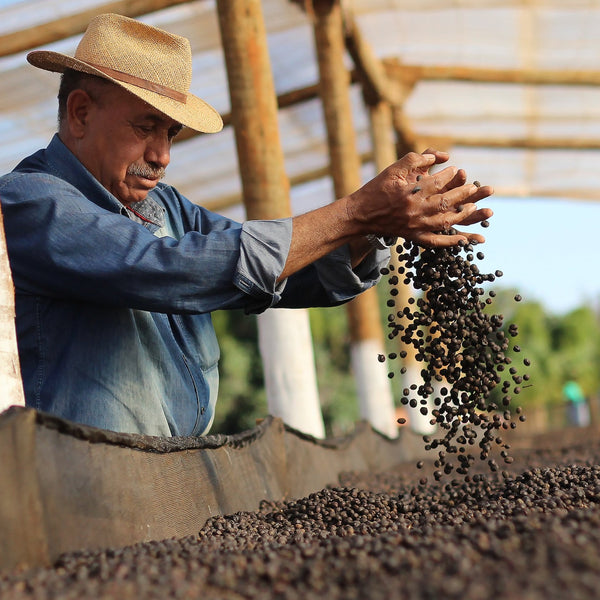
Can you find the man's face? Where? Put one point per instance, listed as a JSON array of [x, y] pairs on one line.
[[126, 144]]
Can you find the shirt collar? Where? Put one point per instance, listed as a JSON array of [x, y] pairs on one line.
[[147, 211]]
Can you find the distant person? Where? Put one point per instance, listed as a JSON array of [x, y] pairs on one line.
[[116, 273], [578, 409]]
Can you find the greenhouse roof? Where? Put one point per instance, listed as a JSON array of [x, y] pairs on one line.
[[510, 88]]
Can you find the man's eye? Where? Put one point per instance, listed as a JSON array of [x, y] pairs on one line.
[[173, 132], [145, 129]]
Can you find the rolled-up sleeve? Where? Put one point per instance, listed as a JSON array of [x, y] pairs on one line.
[[341, 281], [264, 247]]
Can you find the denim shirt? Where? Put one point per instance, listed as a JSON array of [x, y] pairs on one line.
[[113, 306]]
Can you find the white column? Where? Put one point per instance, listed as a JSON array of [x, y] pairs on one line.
[[418, 422], [11, 386], [285, 344], [373, 388]]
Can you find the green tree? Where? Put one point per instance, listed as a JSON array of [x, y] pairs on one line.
[[242, 398], [534, 339], [576, 339], [558, 347]]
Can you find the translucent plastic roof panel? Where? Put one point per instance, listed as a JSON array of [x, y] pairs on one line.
[[525, 139]]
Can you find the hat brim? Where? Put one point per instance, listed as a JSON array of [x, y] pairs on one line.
[[195, 113]]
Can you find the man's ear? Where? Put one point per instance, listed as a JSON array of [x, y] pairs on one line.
[[79, 104]]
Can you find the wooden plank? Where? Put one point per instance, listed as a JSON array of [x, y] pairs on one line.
[[529, 143], [410, 74], [47, 33], [23, 539]]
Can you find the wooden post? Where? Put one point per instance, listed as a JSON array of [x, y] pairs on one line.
[[385, 98], [384, 146], [11, 386], [284, 335], [366, 333]]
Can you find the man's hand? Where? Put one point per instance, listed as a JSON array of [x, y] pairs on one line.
[[405, 200]]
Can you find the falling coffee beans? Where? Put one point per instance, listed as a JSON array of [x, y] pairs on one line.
[[463, 348]]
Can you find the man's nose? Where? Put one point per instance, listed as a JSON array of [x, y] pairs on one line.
[[159, 151]]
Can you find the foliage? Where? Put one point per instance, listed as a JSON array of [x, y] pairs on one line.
[[242, 398], [559, 347], [337, 391]]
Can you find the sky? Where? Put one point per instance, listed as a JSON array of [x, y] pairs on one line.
[[548, 249]]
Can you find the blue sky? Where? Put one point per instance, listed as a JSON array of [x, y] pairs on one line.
[[548, 249]]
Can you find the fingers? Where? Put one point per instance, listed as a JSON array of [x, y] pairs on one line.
[[477, 216], [440, 157], [414, 163], [459, 179], [439, 240], [446, 179], [482, 192], [433, 204], [456, 206], [458, 199], [412, 166], [456, 203]]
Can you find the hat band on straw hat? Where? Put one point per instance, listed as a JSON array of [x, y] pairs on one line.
[[143, 83]]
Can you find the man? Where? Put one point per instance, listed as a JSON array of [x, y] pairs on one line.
[[116, 274]]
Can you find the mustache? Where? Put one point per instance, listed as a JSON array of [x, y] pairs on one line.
[[145, 170]]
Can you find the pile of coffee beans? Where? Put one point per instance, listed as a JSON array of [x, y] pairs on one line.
[[464, 349], [534, 534]]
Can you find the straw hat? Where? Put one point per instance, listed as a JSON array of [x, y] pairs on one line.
[[154, 65]]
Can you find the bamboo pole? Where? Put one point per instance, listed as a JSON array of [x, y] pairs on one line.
[[11, 386], [446, 143], [47, 33], [366, 333], [284, 335], [377, 86], [385, 99], [409, 74]]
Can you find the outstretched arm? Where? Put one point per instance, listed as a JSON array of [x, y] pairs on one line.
[[403, 200]]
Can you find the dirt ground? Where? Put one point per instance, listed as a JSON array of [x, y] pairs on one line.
[[532, 532]]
